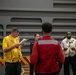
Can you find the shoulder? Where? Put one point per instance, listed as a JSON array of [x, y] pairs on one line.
[[73, 38], [50, 41], [55, 40], [64, 40]]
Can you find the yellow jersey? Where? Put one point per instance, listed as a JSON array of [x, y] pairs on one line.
[[13, 55]]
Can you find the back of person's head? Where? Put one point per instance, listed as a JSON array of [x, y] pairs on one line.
[[14, 29], [47, 27]]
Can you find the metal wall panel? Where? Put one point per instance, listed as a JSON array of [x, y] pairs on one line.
[[28, 16]]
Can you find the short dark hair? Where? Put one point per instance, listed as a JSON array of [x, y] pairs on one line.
[[35, 34], [14, 29], [47, 27]]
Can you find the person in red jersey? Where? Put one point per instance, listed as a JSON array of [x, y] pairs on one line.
[[47, 53]]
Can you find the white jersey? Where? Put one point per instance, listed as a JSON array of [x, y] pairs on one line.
[[69, 43]]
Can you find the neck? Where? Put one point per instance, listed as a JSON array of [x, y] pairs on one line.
[[68, 38], [46, 34], [35, 40]]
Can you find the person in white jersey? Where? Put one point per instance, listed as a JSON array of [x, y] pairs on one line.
[[69, 47]]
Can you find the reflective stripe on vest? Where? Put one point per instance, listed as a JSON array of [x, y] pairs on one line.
[[47, 42]]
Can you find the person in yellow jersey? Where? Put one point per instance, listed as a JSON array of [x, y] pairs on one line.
[[12, 53]]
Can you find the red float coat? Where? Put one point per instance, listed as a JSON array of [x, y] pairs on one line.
[[46, 55]]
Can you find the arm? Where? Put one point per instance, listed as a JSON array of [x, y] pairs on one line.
[[74, 47], [60, 54], [5, 46], [34, 55], [62, 45], [10, 48]]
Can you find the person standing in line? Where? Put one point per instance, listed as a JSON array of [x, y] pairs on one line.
[[47, 53], [69, 47], [12, 53], [36, 38]]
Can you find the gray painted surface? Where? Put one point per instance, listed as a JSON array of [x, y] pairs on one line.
[[28, 4], [28, 15]]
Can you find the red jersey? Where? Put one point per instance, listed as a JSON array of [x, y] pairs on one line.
[[46, 55]]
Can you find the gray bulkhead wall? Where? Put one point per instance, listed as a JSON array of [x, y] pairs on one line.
[[28, 15]]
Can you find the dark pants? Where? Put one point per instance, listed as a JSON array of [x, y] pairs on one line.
[[13, 68], [56, 73], [31, 69], [70, 61]]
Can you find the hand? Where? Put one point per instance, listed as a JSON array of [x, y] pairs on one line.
[[22, 45], [65, 49], [73, 49], [16, 45]]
